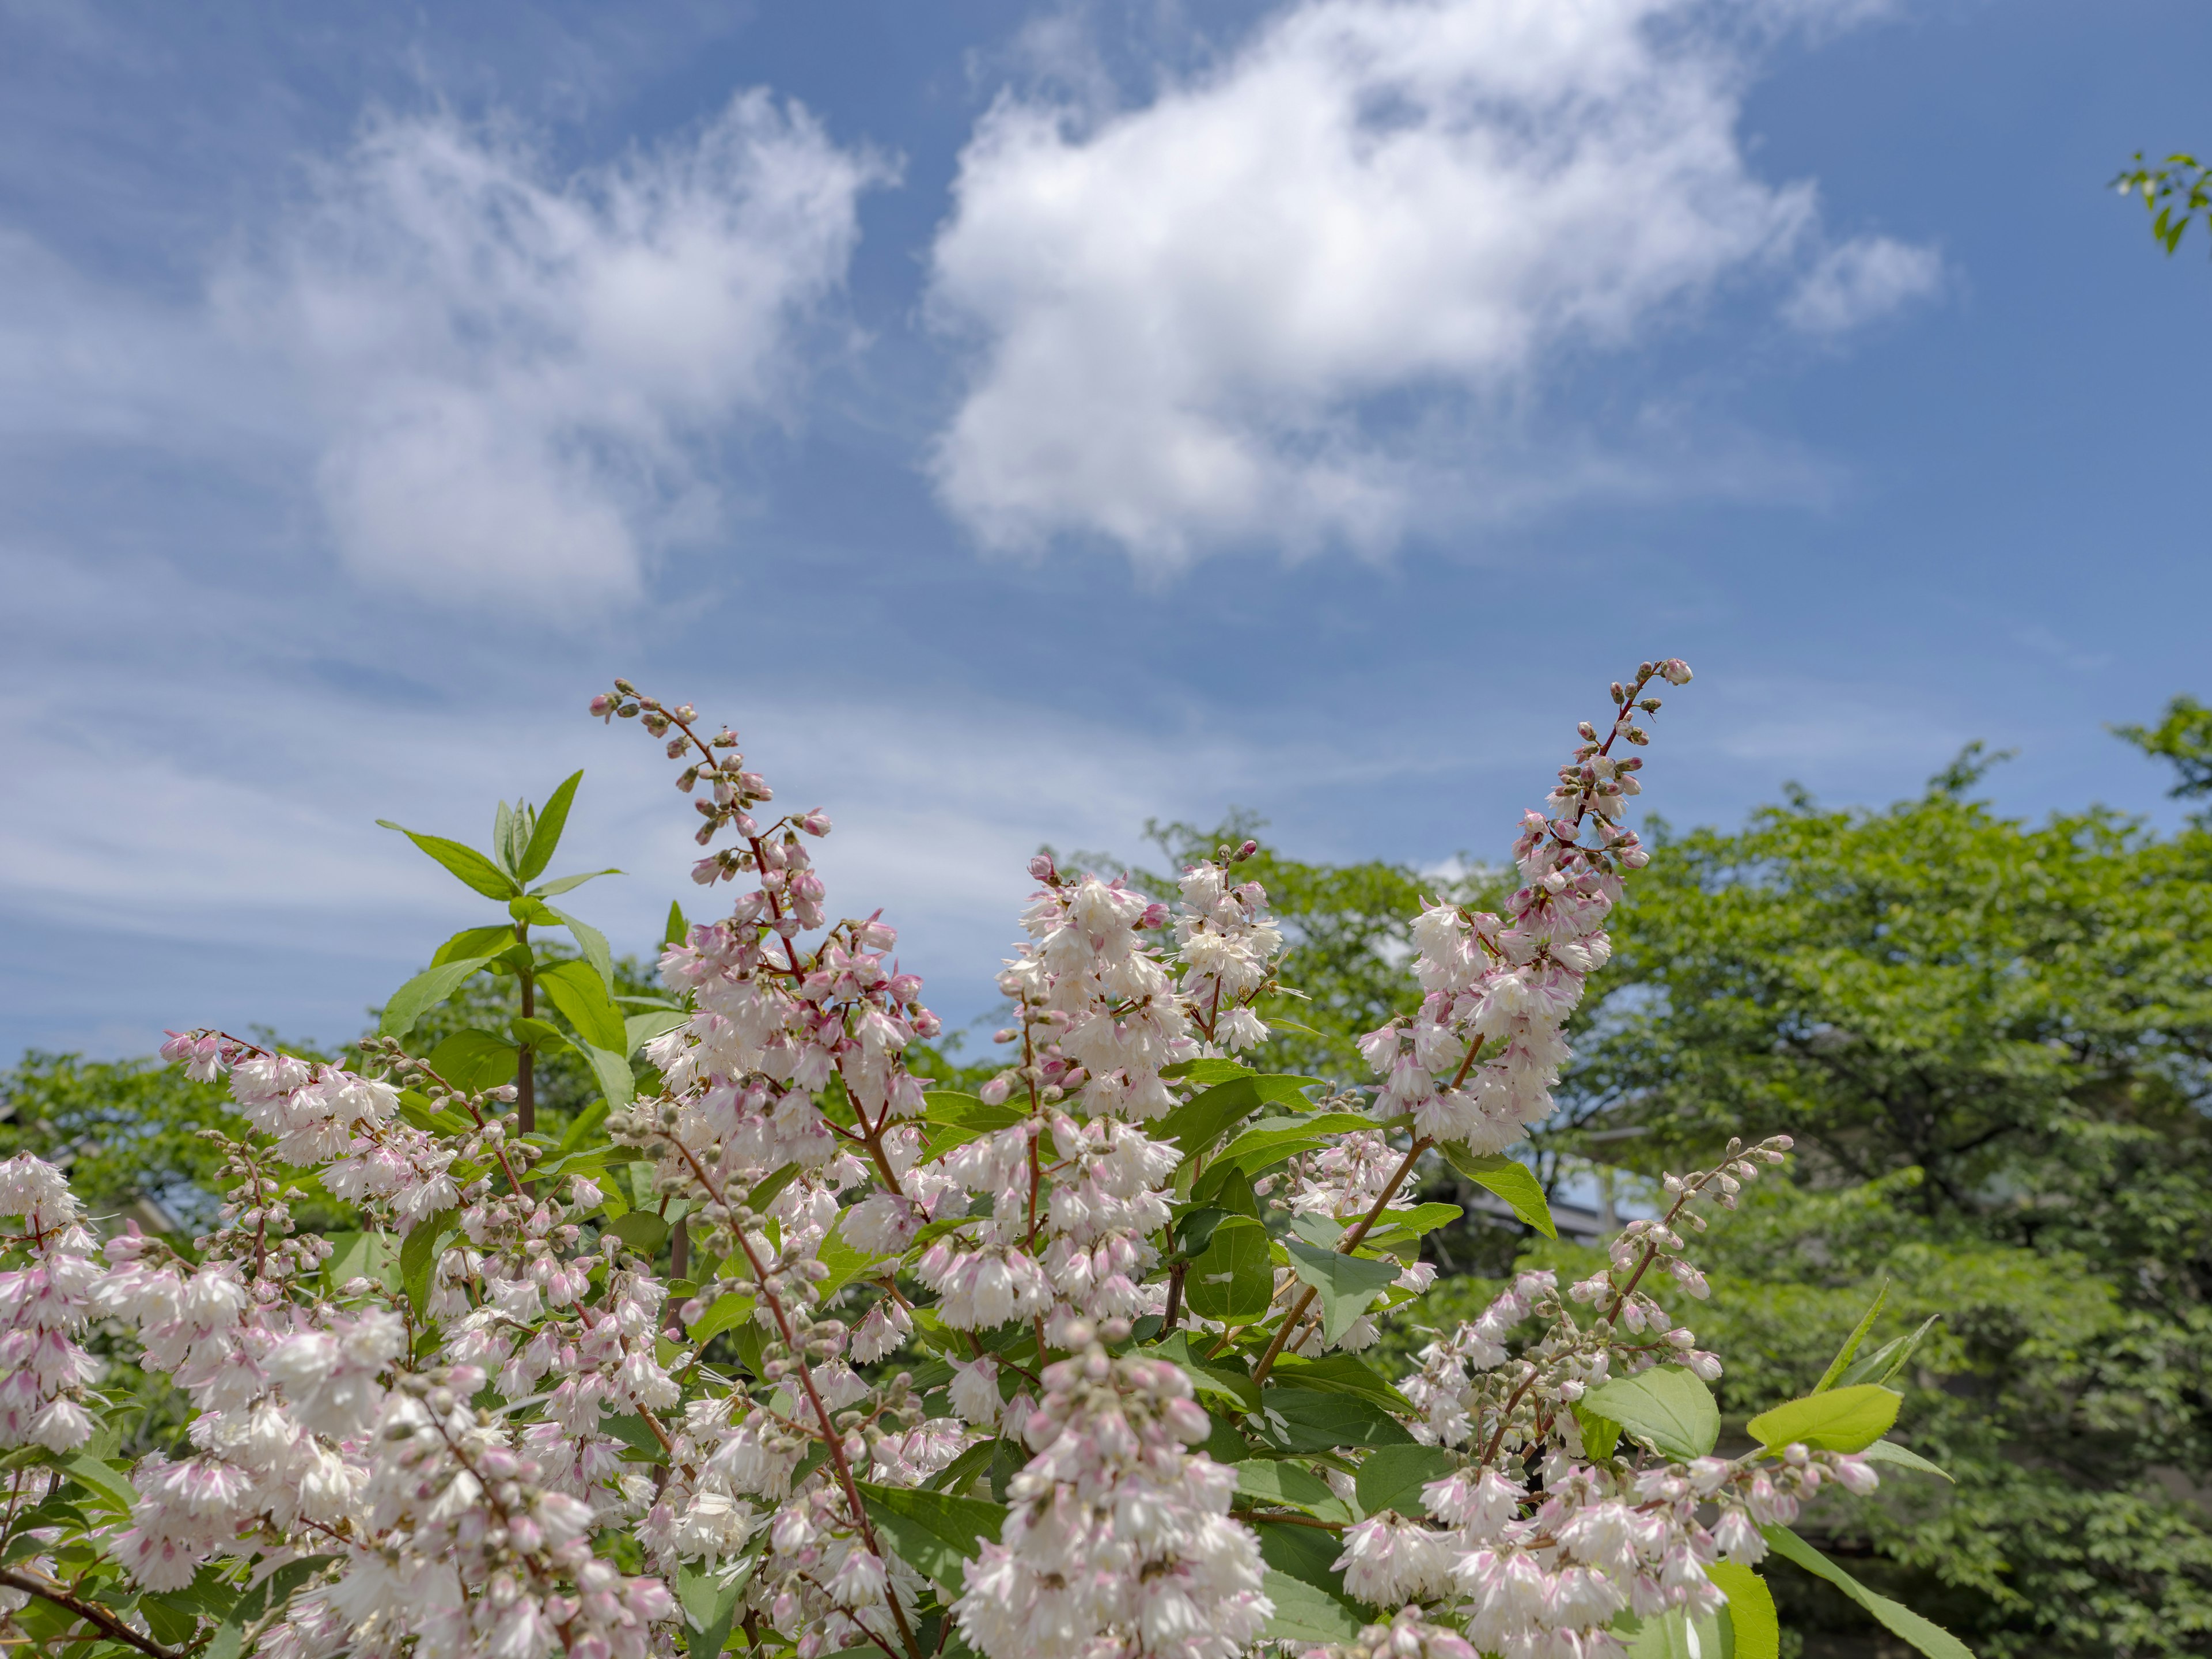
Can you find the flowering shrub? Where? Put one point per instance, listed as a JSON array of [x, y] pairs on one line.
[[778, 1346]]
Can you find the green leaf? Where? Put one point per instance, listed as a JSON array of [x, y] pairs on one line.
[[1206, 1071], [1338, 1373], [576, 989], [1512, 1181], [427, 989], [1669, 1635], [1271, 1140], [1199, 1121], [1306, 1420], [418, 1258], [770, 1184], [678, 929], [709, 1601], [617, 1082], [1305, 1553], [641, 1028], [1888, 1451], [1395, 1226], [552, 818], [1232, 1279], [1307, 1614], [492, 941], [1894, 1617], [642, 1231], [472, 867], [593, 944], [1271, 1480], [727, 1310], [1668, 1409], [1891, 1357], [1235, 1390], [964, 1469], [98, 1478], [1755, 1629], [1392, 1477], [846, 1262], [1600, 1434], [1851, 1342], [955, 1119], [473, 1061], [934, 1531], [566, 884], [1842, 1419], [359, 1255], [1346, 1285]]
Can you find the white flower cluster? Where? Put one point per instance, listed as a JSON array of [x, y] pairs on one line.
[[1477, 1063], [882, 1301], [1120, 1542], [43, 1370]]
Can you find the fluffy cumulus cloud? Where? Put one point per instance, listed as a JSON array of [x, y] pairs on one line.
[[1186, 319], [512, 372]]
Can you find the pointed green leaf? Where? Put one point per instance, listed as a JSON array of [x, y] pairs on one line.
[[727, 1310], [473, 1061], [1888, 1451], [1345, 1285], [1512, 1181], [1273, 1140], [1392, 1477], [1232, 1279], [1205, 1073], [1338, 1373], [504, 847], [98, 1478], [1891, 1357], [576, 989], [1842, 1419], [1895, 1617], [640, 1230], [935, 1532], [1307, 1613], [846, 1262], [1852, 1343], [1201, 1121], [641, 1028], [1274, 1480], [617, 1082], [1755, 1631], [678, 929], [1668, 1409], [418, 1258], [472, 867], [1400, 1227], [425, 991], [552, 818], [1302, 1420], [709, 1601], [1601, 1434], [561, 885], [490, 941], [593, 943]]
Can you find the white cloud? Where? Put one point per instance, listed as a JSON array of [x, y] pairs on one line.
[[511, 370], [1860, 280], [1181, 315]]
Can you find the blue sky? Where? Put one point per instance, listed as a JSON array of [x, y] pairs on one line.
[[1023, 420]]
